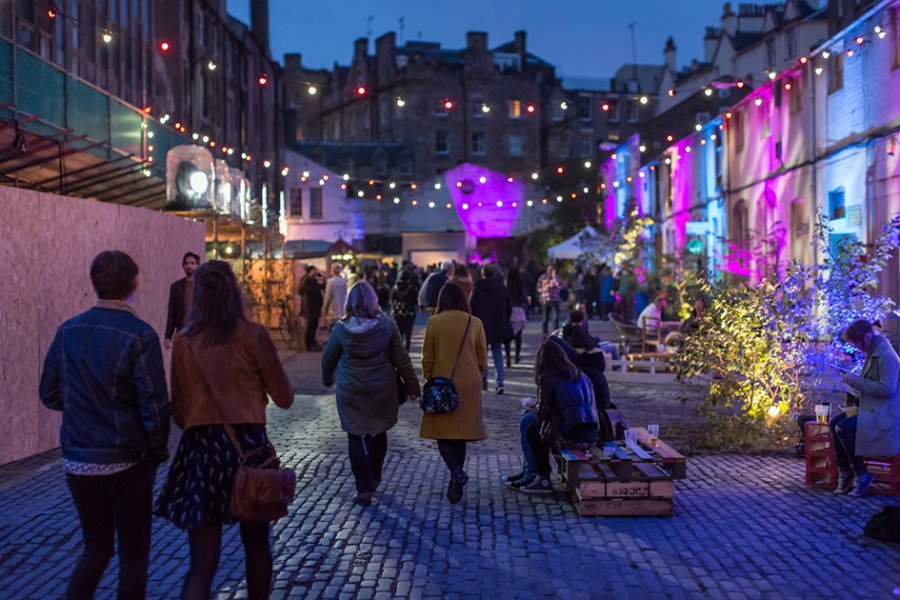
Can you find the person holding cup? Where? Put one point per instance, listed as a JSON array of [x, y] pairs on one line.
[[875, 429]]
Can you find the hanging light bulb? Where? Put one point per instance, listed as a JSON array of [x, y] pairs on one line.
[[106, 36]]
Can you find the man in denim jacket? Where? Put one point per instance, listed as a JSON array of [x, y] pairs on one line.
[[104, 371]]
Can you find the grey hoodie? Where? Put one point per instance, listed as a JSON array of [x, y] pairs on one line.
[[363, 356]]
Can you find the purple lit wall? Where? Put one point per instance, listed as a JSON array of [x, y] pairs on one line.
[[608, 175], [769, 149], [487, 202]]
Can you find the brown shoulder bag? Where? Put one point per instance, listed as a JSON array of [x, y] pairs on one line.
[[258, 494]]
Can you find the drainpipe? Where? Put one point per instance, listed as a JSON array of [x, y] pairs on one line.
[[814, 204]]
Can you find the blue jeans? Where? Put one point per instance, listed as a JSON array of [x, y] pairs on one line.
[[610, 348], [528, 464], [497, 353], [843, 438]]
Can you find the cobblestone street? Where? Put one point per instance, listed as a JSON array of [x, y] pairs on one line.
[[744, 526]]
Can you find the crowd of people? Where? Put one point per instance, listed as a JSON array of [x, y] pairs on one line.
[[104, 371]]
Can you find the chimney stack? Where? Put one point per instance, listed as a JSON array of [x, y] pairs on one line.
[[729, 20], [669, 53], [520, 46], [259, 23]]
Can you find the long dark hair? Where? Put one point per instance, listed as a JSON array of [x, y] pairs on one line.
[[218, 305], [552, 360], [452, 297]]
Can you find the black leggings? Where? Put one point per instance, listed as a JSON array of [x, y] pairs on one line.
[[518, 339], [367, 459], [206, 546], [454, 454]]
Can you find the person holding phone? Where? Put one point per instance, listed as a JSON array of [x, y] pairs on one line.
[[875, 429]]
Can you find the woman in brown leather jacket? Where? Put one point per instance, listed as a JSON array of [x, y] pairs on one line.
[[223, 367]]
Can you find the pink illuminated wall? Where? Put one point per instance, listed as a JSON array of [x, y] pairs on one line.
[[487, 202], [769, 147], [608, 174], [684, 156]]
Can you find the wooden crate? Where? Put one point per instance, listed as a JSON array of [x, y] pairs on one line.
[[635, 480]]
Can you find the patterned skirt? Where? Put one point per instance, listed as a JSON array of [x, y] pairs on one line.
[[197, 490]]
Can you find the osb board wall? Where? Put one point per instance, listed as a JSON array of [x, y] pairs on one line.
[[263, 291], [47, 243]]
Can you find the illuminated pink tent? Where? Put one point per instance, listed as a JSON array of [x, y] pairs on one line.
[[487, 202]]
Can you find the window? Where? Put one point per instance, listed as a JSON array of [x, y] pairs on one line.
[[558, 113], [441, 107], [406, 166], [315, 203], [296, 207], [514, 109], [737, 123], [835, 71], [441, 143], [895, 32], [632, 110], [379, 164], [586, 143], [515, 145], [565, 143], [740, 231], [584, 108], [479, 142], [795, 96], [836, 204], [771, 53], [791, 43], [553, 145], [613, 110], [477, 104]]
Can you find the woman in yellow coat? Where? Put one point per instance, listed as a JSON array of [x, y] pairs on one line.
[[443, 338]]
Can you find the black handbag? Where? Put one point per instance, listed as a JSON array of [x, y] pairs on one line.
[[439, 394], [402, 394]]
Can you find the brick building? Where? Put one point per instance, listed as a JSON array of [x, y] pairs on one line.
[[92, 93]]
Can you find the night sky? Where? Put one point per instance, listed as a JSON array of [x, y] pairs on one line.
[[586, 38]]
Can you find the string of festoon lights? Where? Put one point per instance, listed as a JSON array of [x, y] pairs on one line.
[[786, 78], [403, 192], [109, 36]]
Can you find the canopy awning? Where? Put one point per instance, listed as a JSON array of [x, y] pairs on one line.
[[571, 248]]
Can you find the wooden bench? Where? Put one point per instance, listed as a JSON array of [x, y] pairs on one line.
[[622, 480], [821, 463]]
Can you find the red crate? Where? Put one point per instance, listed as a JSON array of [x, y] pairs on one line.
[[821, 465]]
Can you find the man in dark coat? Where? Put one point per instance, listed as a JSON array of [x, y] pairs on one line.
[[492, 304], [312, 300], [181, 294]]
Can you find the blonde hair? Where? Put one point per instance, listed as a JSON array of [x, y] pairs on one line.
[[362, 302]]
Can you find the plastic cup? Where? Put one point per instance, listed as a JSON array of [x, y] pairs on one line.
[[822, 413], [653, 430], [630, 437]]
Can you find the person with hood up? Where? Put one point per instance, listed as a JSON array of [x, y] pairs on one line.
[[404, 300], [363, 355], [492, 304]]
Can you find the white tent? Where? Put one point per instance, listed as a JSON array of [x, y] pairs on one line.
[[571, 248]]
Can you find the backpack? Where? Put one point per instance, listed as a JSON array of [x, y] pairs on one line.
[[885, 526]]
